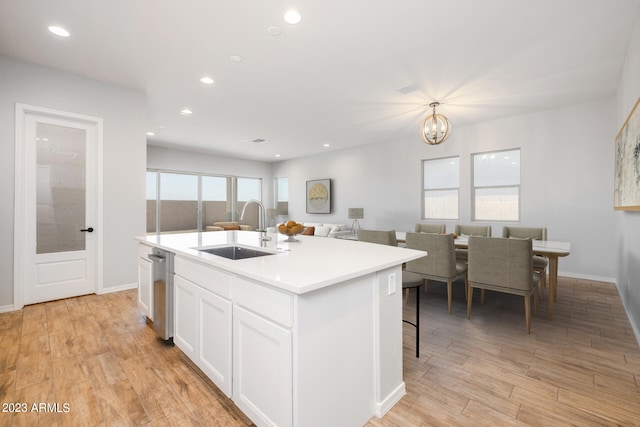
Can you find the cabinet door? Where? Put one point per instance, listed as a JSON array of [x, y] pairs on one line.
[[145, 279], [214, 339], [262, 369], [185, 332]]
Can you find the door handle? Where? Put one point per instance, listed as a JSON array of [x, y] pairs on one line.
[[88, 230]]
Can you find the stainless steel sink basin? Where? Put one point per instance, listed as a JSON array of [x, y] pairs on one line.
[[235, 252]]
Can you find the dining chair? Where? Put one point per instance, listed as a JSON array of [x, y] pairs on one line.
[[378, 236], [431, 228], [503, 265], [409, 280], [440, 263], [467, 231], [540, 263]]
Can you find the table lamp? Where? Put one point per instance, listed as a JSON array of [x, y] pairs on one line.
[[355, 214]]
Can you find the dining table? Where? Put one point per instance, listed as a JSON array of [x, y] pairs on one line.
[[551, 249]]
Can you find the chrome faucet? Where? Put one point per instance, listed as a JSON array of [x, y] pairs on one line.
[[262, 213]]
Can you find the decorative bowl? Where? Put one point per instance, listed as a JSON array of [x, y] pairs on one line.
[[290, 229]]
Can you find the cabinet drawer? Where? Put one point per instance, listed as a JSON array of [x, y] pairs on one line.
[[263, 300], [144, 250], [206, 276]]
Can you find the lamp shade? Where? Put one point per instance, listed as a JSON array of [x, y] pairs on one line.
[[356, 213]]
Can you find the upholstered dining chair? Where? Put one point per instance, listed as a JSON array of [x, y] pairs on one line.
[[409, 280], [467, 231], [540, 263], [440, 263], [431, 228], [378, 236], [503, 265]]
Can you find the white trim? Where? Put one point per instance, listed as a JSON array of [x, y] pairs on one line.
[[112, 289], [634, 326], [387, 403], [7, 308], [586, 277], [19, 249]]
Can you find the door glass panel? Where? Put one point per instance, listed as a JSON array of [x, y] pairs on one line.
[[152, 201], [215, 200], [249, 188], [178, 202], [60, 188]]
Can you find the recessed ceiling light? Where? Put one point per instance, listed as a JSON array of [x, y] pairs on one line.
[[292, 17], [277, 155], [207, 80], [186, 112], [236, 58], [326, 145], [274, 31], [59, 31], [162, 127], [150, 134]]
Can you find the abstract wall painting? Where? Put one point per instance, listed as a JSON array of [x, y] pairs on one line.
[[627, 168], [319, 196]]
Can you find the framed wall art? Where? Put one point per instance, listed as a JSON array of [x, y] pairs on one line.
[[627, 168], [319, 196]]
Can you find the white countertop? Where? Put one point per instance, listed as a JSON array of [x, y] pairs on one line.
[[311, 263]]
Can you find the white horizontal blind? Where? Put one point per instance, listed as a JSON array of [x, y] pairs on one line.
[[496, 186], [441, 184]]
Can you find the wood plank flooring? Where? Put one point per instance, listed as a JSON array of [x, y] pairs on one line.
[[97, 355]]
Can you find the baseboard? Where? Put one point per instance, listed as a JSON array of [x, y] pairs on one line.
[[385, 406], [587, 277], [6, 308], [111, 289], [634, 325]]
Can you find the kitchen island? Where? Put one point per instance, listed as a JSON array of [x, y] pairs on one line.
[[310, 334]]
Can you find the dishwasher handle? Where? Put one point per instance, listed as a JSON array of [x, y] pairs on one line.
[[156, 258]]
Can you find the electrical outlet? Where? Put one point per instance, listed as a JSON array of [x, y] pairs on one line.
[[392, 283]]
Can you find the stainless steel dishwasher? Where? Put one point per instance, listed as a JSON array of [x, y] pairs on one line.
[[162, 293]]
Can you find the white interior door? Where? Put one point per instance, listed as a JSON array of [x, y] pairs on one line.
[[60, 199]]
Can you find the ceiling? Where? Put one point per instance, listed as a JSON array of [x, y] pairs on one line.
[[335, 78]]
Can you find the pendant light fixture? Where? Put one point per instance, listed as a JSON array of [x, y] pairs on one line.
[[435, 128]]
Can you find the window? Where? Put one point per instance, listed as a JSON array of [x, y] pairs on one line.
[[496, 186], [178, 202], [282, 196], [248, 189], [189, 202], [152, 200], [215, 197], [441, 183]]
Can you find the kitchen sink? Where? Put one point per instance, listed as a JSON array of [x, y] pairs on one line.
[[235, 252]]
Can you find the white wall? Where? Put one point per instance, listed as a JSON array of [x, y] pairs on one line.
[[567, 170], [191, 161], [627, 224], [124, 113]]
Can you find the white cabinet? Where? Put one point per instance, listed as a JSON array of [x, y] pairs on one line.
[[203, 312], [263, 353], [214, 338], [184, 329], [145, 281], [262, 369]]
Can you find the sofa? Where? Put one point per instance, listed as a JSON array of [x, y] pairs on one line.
[[326, 229], [321, 229], [227, 225]]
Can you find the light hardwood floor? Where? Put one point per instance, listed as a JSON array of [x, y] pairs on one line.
[[96, 354]]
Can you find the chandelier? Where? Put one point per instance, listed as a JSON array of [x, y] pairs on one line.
[[435, 128]]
